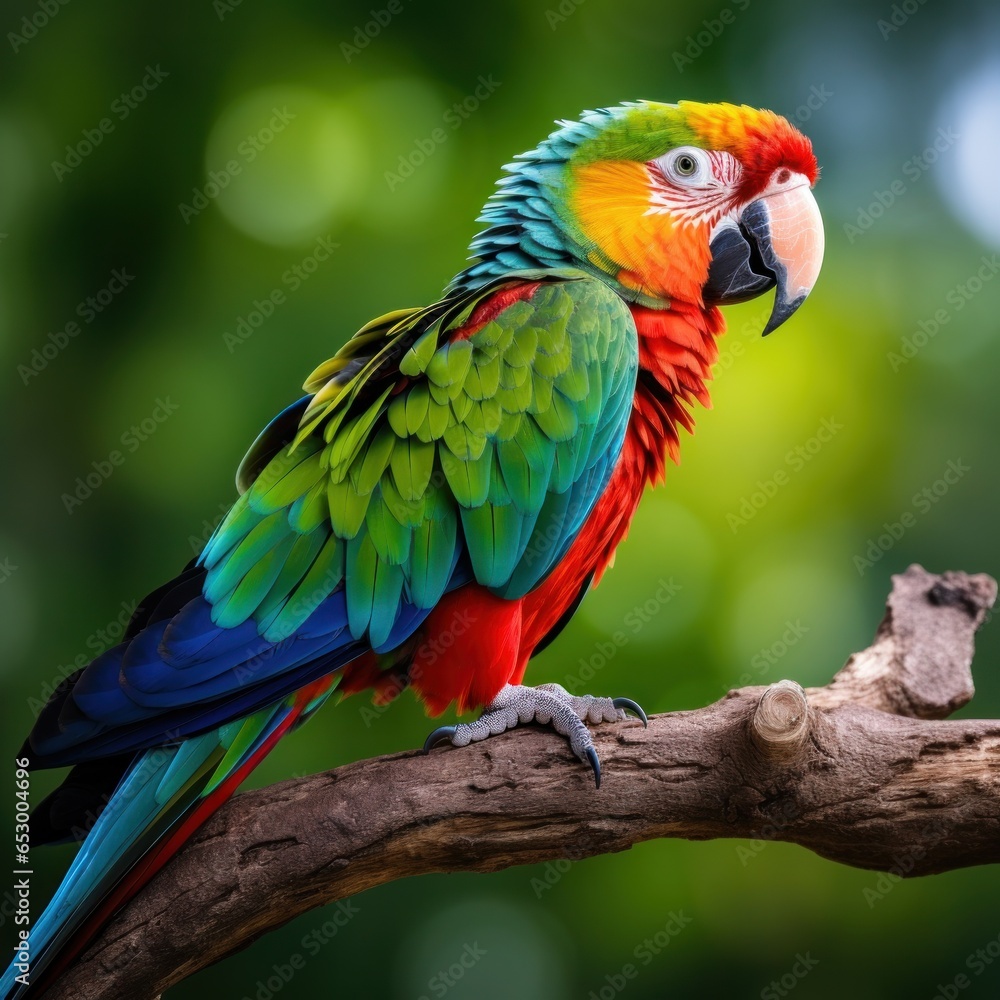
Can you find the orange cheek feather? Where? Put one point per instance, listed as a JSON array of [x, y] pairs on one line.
[[611, 200]]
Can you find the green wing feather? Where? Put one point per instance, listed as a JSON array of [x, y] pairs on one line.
[[419, 445]]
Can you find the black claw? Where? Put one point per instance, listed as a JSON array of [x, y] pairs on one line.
[[630, 706], [595, 763], [439, 735]]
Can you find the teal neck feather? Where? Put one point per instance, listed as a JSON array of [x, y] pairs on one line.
[[528, 225]]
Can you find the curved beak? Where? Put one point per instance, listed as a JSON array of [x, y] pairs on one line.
[[775, 242]]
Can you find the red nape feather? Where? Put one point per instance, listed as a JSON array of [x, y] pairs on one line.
[[493, 306]]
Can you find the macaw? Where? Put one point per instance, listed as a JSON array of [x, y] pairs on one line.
[[434, 509]]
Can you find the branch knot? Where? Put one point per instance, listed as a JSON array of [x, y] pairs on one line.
[[780, 721]]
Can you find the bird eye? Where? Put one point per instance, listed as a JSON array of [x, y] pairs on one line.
[[685, 165]]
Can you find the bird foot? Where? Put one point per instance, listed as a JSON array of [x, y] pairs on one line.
[[547, 704]]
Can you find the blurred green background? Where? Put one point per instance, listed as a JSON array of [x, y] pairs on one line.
[[116, 120]]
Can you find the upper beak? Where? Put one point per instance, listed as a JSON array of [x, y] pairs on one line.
[[776, 241]]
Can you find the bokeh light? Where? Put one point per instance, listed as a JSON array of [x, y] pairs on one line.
[[283, 162], [403, 120], [968, 178]]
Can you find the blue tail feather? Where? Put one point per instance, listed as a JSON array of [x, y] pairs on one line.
[[155, 794]]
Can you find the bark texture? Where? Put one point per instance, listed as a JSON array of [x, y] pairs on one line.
[[864, 771]]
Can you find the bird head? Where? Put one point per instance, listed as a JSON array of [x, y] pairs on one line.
[[701, 204]]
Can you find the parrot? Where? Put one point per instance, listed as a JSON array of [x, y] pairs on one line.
[[432, 512]]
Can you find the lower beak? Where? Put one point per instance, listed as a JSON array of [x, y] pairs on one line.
[[775, 242]]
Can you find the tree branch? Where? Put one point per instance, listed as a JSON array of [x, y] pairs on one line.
[[862, 772]]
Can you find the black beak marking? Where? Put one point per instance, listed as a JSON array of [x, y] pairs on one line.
[[744, 266], [736, 272]]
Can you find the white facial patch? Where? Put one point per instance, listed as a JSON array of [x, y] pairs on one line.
[[704, 196]]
